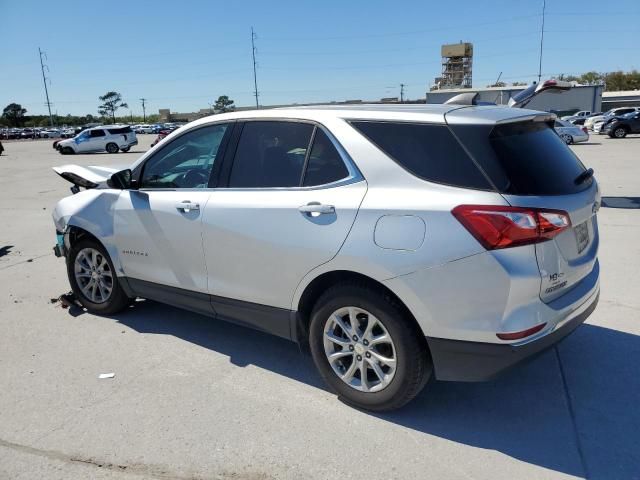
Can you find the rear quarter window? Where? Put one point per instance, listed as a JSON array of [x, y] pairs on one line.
[[428, 151]]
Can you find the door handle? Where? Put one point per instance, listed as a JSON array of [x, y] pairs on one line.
[[318, 208], [186, 206]]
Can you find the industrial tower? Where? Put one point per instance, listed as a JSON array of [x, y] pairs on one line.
[[457, 61]]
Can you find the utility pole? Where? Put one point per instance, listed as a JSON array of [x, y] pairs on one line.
[[46, 91], [144, 110], [253, 54], [544, 5], [402, 85]]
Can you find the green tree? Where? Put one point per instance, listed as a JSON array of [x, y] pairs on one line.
[[223, 104], [591, 78], [497, 84], [616, 81], [112, 101], [14, 114], [519, 84]]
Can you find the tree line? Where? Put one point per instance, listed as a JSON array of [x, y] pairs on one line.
[[611, 81], [14, 115]]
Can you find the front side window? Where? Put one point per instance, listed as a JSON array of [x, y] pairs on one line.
[[185, 162], [97, 133], [270, 154]]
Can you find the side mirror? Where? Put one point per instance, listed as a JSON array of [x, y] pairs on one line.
[[120, 180]]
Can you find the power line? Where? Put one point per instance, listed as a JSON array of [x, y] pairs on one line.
[[253, 55], [46, 91]]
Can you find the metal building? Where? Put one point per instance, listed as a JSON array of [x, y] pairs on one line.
[[457, 66], [565, 103]]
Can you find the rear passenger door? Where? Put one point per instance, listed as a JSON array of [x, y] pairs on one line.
[[289, 198]]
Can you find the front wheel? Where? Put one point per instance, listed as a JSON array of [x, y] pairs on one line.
[[366, 348], [112, 148], [93, 278], [619, 132]]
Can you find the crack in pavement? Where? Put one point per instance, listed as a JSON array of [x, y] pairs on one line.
[[154, 471], [583, 460]]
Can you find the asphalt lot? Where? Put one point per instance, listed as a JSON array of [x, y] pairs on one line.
[[196, 398]]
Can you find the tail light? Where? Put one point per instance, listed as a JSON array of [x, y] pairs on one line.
[[503, 227], [585, 130]]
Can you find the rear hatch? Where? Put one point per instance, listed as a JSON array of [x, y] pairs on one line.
[[532, 167]]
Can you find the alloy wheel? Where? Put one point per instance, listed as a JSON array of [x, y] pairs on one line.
[[359, 349], [93, 275]]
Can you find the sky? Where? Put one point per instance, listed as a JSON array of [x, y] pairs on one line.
[[183, 54]]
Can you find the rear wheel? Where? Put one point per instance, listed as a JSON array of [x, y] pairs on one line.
[[566, 138], [112, 148], [366, 348], [619, 132], [93, 278]]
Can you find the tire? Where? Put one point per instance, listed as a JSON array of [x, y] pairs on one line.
[[112, 148], [67, 151], [568, 139], [78, 260], [125, 149], [619, 132], [412, 367]]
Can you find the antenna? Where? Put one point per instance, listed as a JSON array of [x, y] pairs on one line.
[[253, 54], [44, 80], [544, 5]]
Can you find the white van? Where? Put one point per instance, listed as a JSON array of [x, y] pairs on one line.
[[109, 138]]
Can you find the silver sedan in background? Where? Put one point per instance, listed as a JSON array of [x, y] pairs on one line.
[[571, 133]]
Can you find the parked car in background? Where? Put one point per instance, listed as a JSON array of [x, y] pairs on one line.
[[452, 239], [52, 133], [621, 126], [581, 113], [28, 133], [109, 138], [570, 133], [144, 129], [589, 122]]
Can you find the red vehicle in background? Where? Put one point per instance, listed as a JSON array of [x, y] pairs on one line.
[[161, 134]]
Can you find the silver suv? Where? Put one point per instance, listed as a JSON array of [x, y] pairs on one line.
[[398, 242]]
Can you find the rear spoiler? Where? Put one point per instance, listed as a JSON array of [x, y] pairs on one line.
[[520, 100]]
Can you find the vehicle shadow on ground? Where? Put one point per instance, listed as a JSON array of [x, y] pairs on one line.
[[621, 202], [593, 432], [585, 143], [5, 250]]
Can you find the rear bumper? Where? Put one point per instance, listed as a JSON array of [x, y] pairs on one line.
[[466, 361]]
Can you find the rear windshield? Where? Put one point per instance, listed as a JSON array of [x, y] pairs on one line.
[[524, 158], [428, 151]]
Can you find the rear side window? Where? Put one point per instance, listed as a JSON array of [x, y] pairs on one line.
[[324, 164], [119, 131], [428, 151], [270, 154]]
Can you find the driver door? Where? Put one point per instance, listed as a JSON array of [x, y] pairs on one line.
[[158, 227]]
